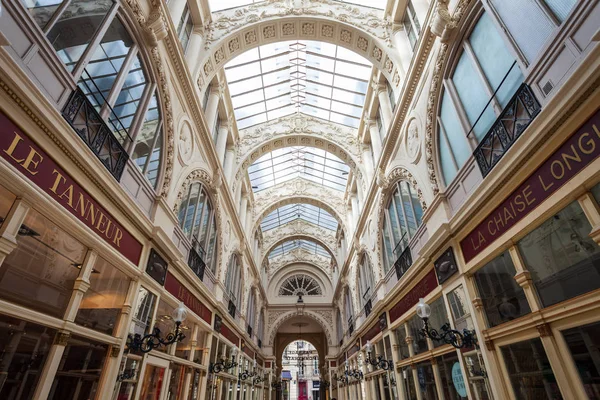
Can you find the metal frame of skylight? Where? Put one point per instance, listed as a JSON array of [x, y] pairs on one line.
[[307, 212], [292, 244]]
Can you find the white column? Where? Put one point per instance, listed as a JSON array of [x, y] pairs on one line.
[[354, 205], [228, 165], [375, 140], [238, 197], [243, 209], [403, 47], [368, 160], [385, 105], [212, 105], [223, 133], [176, 8], [249, 220], [194, 48]]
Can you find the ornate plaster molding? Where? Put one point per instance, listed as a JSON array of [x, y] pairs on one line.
[[197, 175], [296, 228], [296, 256], [278, 317]]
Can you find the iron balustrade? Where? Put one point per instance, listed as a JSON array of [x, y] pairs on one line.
[[520, 111], [368, 308], [350, 326], [85, 120], [403, 262], [249, 330], [231, 309], [196, 259]]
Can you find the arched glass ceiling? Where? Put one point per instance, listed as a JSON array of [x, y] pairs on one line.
[[307, 245], [291, 212], [311, 163], [218, 5], [315, 78]]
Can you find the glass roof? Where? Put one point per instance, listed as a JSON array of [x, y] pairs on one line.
[[307, 245], [282, 165], [291, 212], [315, 78], [218, 5], [380, 4]]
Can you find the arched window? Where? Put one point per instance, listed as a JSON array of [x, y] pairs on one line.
[[484, 79], [260, 331], [250, 311], [108, 65], [366, 280], [348, 308], [233, 280], [402, 218], [340, 327], [197, 219]]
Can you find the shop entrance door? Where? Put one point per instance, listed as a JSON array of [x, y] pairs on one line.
[[154, 376], [302, 392]]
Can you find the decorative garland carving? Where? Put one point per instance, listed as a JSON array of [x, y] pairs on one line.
[[197, 175], [299, 255], [281, 316]]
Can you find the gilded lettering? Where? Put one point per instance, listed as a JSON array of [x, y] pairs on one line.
[[108, 231], [13, 146], [101, 222], [499, 221], [118, 237], [595, 128], [31, 161], [491, 229], [575, 157], [81, 205], [590, 144], [507, 214], [69, 195], [557, 176], [57, 181], [519, 202], [544, 186], [91, 212], [526, 193]]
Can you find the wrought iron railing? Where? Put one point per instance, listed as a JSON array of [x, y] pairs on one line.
[[196, 259], [403, 262], [522, 108], [259, 344], [368, 308], [95, 132], [249, 330], [350, 326], [231, 309]]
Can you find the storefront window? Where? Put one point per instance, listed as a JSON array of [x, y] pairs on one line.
[[529, 370], [401, 341], [452, 387], [419, 343], [584, 342], [24, 347], [6, 201], [563, 260], [193, 392], [426, 381], [41, 271], [184, 346], [152, 383], [409, 384], [596, 192], [503, 299], [176, 383], [128, 377], [477, 374], [142, 316], [438, 317], [199, 350], [460, 312], [79, 370], [165, 323], [101, 306]]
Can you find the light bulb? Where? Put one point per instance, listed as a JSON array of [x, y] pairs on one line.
[[423, 309], [180, 313], [369, 346]]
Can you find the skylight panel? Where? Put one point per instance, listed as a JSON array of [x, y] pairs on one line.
[[219, 5], [298, 76], [307, 212], [282, 165], [379, 4], [310, 246]]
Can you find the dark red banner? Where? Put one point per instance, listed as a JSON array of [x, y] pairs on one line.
[[421, 289], [230, 335], [246, 349], [574, 155], [175, 287], [371, 333], [27, 157], [353, 349], [332, 363]]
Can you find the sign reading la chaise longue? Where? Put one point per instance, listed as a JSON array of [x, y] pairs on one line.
[[574, 155], [37, 166]]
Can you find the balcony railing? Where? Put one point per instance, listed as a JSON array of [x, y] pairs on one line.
[[403, 262], [196, 259], [95, 132], [231, 309], [368, 308], [522, 108], [350, 326], [249, 330]]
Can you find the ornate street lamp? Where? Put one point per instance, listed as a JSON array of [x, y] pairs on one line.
[[377, 361], [245, 375], [224, 364], [153, 340], [466, 338]]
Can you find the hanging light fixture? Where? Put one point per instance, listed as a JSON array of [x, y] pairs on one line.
[[377, 361], [153, 340], [466, 338], [223, 364]]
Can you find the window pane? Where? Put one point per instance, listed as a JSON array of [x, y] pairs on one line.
[[76, 27], [143, 312], [41, 271], [438, 317], [24, 347], [503, 299], [494, 59], [42, 10], [102, 302], [403, 351], [426, 381], [460, 311], [563, 260], [530, 372], [561, 8], [79, 370], [473, 96], [457, 137], [447, 364], [583, 343], [106, 62], [415, 324], [6, 201], [128, 100], [164, 322]]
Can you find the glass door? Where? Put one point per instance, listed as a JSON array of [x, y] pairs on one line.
[[154, 376]]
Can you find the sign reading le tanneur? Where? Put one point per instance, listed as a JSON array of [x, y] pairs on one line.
[[575, 154], [30, 160]]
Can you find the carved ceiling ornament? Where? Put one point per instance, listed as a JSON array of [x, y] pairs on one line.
[[282, 316], [299, 256], [300, 236], [295, 228], [186, 142], [412, 141]]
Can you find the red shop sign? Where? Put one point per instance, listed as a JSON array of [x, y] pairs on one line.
[[37, 166], [574, 155], [421, 289], [182, 294]]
